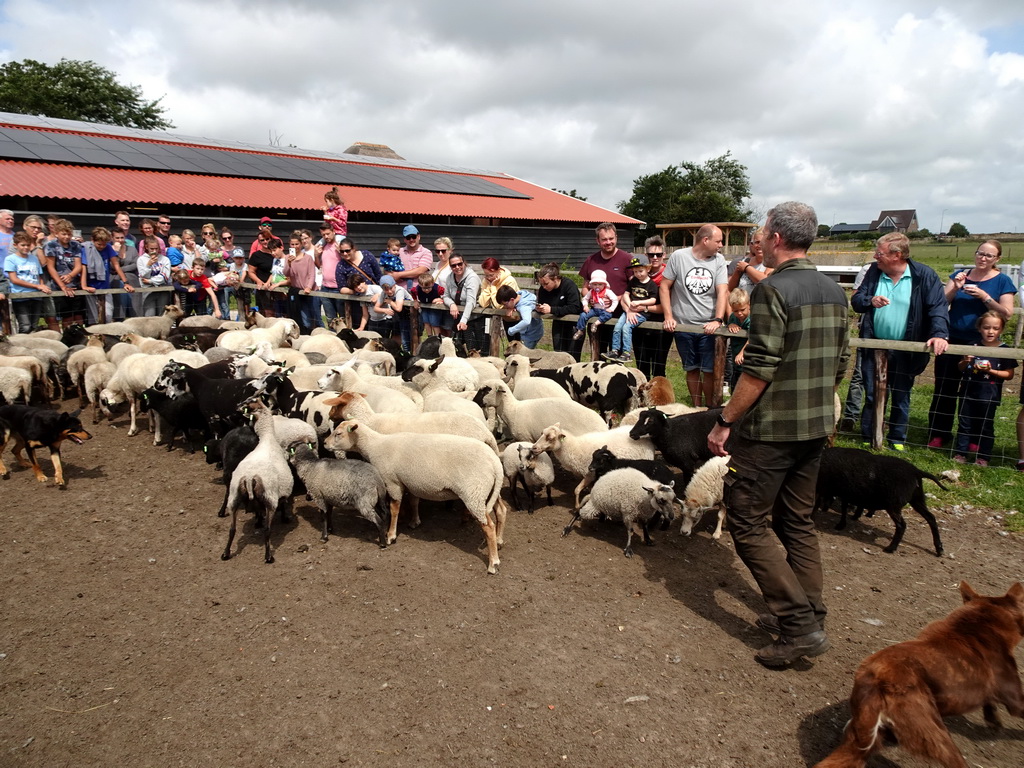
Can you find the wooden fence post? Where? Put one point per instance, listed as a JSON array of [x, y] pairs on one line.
[[496, 330], [718, 374], [881, 385]]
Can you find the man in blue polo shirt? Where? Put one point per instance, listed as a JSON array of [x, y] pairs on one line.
[[900, 300]]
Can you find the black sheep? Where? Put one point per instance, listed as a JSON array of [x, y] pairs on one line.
[[682, 440], [229, 452], [180, 413], [871, 482]]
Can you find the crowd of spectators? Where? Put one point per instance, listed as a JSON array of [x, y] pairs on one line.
[[895, 297]]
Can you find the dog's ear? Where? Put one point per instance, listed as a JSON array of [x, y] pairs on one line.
[[1017, 592], [967, 592]]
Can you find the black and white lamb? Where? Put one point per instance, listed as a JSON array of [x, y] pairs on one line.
[[630, 496], [871, 482], [534, 471], [603, 461], [342, 484], [261, 484]]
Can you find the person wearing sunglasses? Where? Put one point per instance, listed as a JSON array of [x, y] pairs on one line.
[[652, 345], [443, 249], [970, 293], [460, 296], [266, 228]]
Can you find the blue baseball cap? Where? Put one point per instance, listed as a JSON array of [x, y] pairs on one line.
[[386, 281], [410, 230]]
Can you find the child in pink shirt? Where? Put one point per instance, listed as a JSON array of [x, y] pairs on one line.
[[336, 214]]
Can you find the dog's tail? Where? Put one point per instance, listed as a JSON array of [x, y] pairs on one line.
[[863, 734]]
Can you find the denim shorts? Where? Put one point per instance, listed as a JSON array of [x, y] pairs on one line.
[[696, 350]]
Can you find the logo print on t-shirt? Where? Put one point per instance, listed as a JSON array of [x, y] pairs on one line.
[[699, 281]]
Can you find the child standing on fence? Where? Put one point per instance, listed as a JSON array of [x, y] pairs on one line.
[[739, 320], [599, 303], [982, 391], [336, 214]]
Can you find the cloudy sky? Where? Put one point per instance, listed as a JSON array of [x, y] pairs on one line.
[[852, 107]]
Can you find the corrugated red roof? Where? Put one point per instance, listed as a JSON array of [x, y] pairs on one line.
[[28, 179]]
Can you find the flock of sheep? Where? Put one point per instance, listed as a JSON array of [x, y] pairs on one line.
[[280, 412]]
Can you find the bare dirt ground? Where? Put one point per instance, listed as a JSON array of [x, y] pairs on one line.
[[127, 641]]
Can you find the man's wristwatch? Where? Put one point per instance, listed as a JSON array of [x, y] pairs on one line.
[[722, 422], [718, 320]]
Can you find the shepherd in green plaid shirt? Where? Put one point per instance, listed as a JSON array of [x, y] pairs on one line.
[[776, 425]]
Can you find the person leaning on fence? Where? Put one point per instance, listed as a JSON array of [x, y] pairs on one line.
[[652, 345], [529, 328], [261, 266], [25, 274], [101, 262], [983, 389], [970, 293], [64, 263], [739, 320], [557, 297], [154, 271], [899, 300], [776, 425], [462, 290], [854, 403], [694, 290]]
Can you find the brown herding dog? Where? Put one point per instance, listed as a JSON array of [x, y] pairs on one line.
[[954, 666]]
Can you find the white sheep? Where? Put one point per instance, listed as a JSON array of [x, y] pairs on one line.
[[433, 467], [202, 321], [96, 378], [575, 452], [35, 368], [37, 341], [120, 351], [436, 395], [261, 484], [382, 399], [534, 471], [344, 484], [527, 387], [540, 358], [630, 496], [353, 405], [153, 327], [458, 375], [326, 345], [15, 384], [379, 360], [704, 493], [290, 431], [80, 360], [242, 341], [139, 372], [148, 345], [526, 419]]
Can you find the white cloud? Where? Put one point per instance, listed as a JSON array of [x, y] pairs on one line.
[[854, 108]]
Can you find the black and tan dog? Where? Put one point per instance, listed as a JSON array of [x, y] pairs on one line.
[[30, 428]]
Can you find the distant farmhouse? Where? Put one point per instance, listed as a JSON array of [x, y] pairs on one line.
[[887, 221]]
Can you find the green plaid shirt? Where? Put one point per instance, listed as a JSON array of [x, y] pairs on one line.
[[798, 344]]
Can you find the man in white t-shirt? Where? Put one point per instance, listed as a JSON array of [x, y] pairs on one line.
[[695, 290]]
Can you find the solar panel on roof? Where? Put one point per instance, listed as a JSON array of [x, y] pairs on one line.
[[125, 152]]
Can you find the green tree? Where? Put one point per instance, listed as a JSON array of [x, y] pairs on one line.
[[570, 193], [76, 90], [824, 230], [956, 229], [715, 190]]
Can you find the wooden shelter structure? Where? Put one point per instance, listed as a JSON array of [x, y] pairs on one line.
[[726, 226]]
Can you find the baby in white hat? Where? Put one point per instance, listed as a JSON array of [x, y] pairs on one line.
[[599, 303]]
